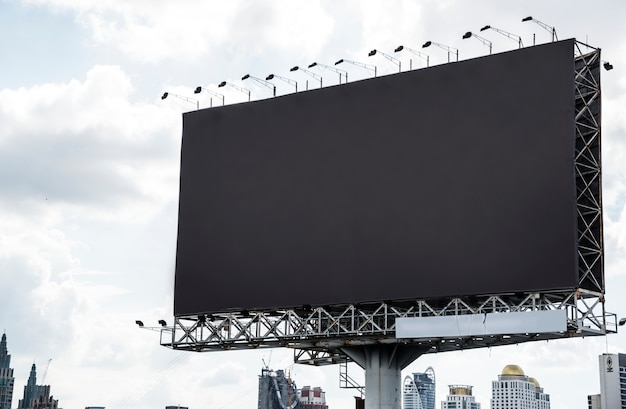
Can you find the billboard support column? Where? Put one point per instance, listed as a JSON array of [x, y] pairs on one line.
[[383, 365]]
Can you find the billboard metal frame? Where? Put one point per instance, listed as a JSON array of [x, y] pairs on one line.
[[319, 335]]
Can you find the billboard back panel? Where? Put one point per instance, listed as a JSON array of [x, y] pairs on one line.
[[447, 181]]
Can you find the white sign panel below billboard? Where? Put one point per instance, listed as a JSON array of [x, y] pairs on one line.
[[482, 324]]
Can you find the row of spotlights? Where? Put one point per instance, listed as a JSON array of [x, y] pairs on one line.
[[607, 66]]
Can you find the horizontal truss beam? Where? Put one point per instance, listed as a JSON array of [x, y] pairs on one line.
[[319, 333]]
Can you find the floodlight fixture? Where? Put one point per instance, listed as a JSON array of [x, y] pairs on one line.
[[287, 80], [387, 56], [237, 87], [190, 100], [607, 66], [622, 322], [312, 74], [419, 54], [334, 69], [445, 47], [199, 89], [163, 323], [506, 34], [140, 323], [481, 39], [548, 28], [359, 64], [262, 82]]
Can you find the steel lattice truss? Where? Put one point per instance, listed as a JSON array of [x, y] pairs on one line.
[[588, 169], [318, 334]]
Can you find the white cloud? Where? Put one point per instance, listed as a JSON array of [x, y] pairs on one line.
[[156, 30], [85, 143]]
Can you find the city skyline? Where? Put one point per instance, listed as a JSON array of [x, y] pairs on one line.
[[420, 388], [89, 157]]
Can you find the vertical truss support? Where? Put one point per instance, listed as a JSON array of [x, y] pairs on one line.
[[587, 164]]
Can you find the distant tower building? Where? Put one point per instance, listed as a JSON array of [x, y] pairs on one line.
[[276, 391], [613, 381], [514, 389], [36, 396], [460, 397], [6, 375], [312, 398], [594, 401], [418, 391]]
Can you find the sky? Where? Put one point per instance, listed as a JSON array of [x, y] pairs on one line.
[[89, 167]]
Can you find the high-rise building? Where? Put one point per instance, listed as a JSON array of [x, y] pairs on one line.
[[418, 391], [460, 397], [7, 380], [36, 396], [312, 398], [515, 390], [277, 391], [613, 381]]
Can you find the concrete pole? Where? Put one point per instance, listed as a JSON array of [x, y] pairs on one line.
[[383, 366]]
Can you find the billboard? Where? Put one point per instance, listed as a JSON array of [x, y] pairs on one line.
[[446, 181]]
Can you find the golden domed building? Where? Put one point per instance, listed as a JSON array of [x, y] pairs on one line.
[[460, 397], [515, 390]]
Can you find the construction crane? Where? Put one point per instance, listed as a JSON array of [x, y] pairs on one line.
[[45, 372]]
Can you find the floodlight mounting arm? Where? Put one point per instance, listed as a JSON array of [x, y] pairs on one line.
[[387, 56], [481, 39], [445, 47], [334, 69], [215, 94], [287, 80], [506, 34], [262, 82], [190, 100], [359, 64], [419, 54], [310, 73], [546, 27], [237, 87]]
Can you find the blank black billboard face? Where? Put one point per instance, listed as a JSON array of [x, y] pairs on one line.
[[447, 181]]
